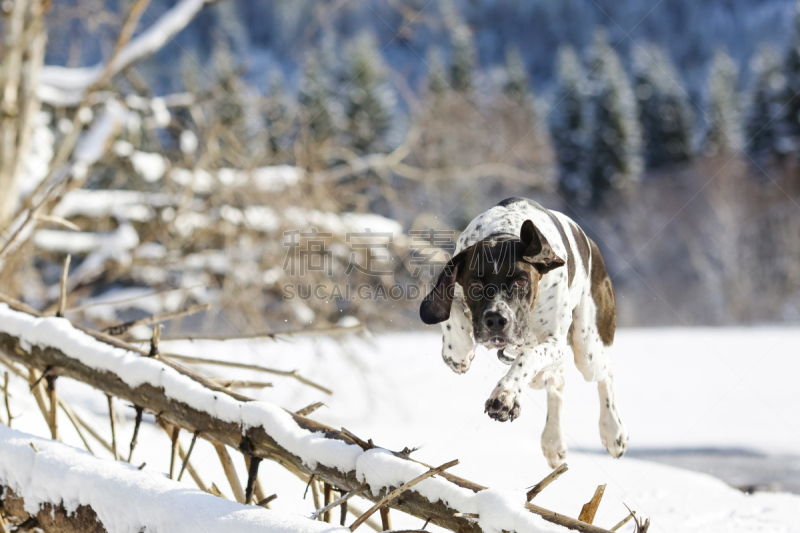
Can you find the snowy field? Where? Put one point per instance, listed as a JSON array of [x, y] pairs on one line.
[[677, 389]]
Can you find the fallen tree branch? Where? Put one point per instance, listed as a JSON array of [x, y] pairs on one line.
[[51, 517], [552, 476], [229, 419]]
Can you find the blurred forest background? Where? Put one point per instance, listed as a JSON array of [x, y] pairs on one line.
[[171, 161]]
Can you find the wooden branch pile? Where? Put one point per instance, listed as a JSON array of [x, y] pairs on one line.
[[45, 364]]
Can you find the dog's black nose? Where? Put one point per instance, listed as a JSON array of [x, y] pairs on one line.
[[494, 321]]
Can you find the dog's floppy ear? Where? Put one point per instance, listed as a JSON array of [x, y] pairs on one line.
[[537, 250], [436, 306]]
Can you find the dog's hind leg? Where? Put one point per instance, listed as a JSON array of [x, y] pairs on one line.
[[554, 443], [591, 337], [458, 346]]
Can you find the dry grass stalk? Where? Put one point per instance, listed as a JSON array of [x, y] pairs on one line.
[[7, 394], [230, 472], [292, 374], [154, 319], [52, 398], [590, 509], [62, 287], [624, 521], [76, 423], [176, 430], [188, 454], [136, 424], [240, 384], [340, 501], [399, 490], [327, 494], [552, 476], [271, 334], [307, 410], [113, 418], [386, 521]]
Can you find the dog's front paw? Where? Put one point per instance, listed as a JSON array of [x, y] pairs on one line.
[[504, 403], [459, 365], [554, 445], [613, 433]]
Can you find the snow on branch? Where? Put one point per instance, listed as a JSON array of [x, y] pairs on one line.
[[62, 85], [265, 431], [60, 486]]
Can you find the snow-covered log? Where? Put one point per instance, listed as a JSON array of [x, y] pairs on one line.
[[263, 430], [71, 491]]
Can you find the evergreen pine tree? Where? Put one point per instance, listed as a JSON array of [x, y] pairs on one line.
[[516, 86], [568, 127], [791, 70], [664, 112], [317, 100], [615, 153], [370, 101], [463, 63], [763, 121], [437, 75], [724, 133]]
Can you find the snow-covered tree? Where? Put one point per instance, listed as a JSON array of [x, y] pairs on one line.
[[568, 127], [437, 75], [370, 101], [516, 87], [463, 63], [763, 125], [317, 99], [791, 98], [724, 133], [615, 144], [664, 111]]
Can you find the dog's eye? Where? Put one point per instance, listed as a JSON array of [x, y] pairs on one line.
[[520, 282]]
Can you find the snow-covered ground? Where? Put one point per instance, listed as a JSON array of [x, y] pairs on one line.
[[677, 388]]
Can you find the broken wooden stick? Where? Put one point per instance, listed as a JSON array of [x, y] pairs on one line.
[[624, 521], [252, 475], [265, 501], [399, 490], [590, 509], [307, 410], [386, 521], [552, 476]]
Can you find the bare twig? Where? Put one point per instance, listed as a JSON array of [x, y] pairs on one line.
[[288, 373], [176, 430], [271, 334], [265, 501], [114, 303], [75, 417], [36, 389], [252, 476], [52, 398], [307, 410], [136, 424], [7, 394], [113, 418], [62, 287], [590, 509], [552, 476], [154, 319], [340, 501], [230, 472], [240, 384], [75, 423], [59, 222], [399, 490], [624, 521], [327, 494], [315, 495], [188, 454]]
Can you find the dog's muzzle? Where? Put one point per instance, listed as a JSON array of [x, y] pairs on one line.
[[496, 326]]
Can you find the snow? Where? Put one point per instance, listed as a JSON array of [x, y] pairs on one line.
[[131, 205], [115, 243], [125, 499], [149, 165], [677, 388]]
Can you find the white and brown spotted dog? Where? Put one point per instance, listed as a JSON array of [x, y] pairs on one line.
[[528, 282]]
